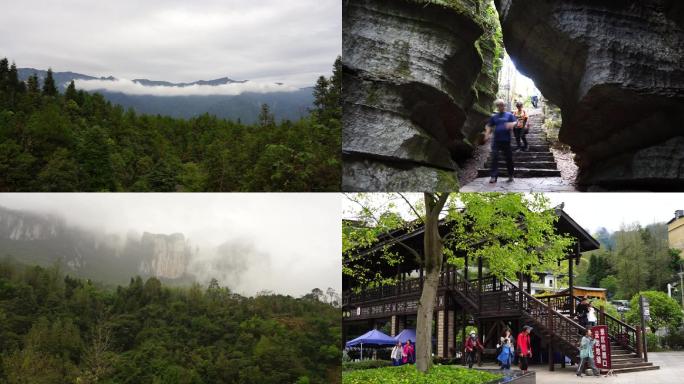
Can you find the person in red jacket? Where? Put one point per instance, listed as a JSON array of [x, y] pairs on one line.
[[471, 345], [524, 347]]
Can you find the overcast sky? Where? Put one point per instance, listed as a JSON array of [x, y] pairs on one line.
[[176, 40], [293, 239], [594, 210]]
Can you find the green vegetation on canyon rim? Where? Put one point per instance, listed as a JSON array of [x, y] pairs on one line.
[[80, 142], [58, 329]]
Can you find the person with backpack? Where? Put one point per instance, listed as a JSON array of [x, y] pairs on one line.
[[471, 346], [507, 350], [498, 129], [587, 354], [521, 128], [524, 348]]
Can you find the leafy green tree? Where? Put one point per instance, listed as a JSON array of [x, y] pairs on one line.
[[610, 283], [499, 228], [60, 174], [665, 311]]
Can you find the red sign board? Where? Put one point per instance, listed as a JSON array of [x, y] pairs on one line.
[[601, 347]]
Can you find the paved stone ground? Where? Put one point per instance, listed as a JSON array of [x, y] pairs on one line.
[[671, 372], [533, 184]]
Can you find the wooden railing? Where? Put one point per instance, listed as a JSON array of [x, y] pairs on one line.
[[556, 323], [619, 331]]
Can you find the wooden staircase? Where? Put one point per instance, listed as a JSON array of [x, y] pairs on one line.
[[555, 326]]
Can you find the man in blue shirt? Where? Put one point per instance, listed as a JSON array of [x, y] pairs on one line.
[[500, 126]]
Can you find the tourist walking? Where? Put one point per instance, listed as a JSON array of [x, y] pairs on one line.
[[587, 354], [505, 357], [535, 101], [521, 128], [396, 354], [498, 129], [411, 354], [591, 315], [472, 344], [524, 348]]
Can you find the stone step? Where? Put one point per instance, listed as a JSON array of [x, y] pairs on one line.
[[622, 354], [633, 369], [525, 164], [537, 156], [621, 365], [626, 360], [521, 172]]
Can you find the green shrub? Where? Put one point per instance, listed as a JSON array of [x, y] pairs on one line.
[[675, 340], [653, 342], [409, 374], [365, 364]]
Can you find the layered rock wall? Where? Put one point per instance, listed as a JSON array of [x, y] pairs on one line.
[[616, 70], [415, 90], [165, 255]]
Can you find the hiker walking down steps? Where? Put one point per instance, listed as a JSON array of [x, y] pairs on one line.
[[499, 129], [521, 128]]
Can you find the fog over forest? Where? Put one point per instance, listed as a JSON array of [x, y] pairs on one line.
[[249, 242]]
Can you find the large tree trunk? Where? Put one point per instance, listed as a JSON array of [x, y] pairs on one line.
[[433, 266]]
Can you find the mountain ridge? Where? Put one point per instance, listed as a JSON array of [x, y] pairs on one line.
[[244, 107]]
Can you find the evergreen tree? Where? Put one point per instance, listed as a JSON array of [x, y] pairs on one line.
[[71, 93], [266, 118], [49, 87], [32, 84]]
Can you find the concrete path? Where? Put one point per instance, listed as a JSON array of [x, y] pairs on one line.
[[533, 184], [671, 372]]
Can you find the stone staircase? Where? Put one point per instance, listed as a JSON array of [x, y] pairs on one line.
[[538, 161]]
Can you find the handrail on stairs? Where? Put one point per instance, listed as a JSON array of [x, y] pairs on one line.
[[619, 331]]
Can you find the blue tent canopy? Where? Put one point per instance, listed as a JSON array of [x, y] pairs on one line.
[[406, 334], [373, 337]]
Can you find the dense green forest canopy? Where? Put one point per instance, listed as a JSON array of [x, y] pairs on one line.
[[631, 260], [58, 329], [78, 141]]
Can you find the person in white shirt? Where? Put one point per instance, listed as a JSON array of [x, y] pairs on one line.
[[591, 315], [396, 354]]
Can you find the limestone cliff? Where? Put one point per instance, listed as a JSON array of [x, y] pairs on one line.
[[164, 255], [416, 91], [616, 70]]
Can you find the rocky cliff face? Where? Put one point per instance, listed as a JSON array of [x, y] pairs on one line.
[[616, 70], [416, 91], [23, 226], [165, 255]]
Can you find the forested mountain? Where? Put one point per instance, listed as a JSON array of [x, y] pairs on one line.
[[244, 107], [630, 260], [78, 141], [55, 329]]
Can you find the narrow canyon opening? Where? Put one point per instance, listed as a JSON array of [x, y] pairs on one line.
[[420, 78]]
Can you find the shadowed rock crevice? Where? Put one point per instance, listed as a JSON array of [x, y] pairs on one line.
[[615, 69], [414, 85]]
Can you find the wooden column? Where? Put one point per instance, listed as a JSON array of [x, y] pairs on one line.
[[549, 347], [479, 284], [571, 288], [529, 280], [463, 335], [451, 334], [520, 290], [394, 326]]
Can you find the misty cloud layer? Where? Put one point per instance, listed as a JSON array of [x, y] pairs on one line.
[[292, 42], [286, 243], [132, 88]]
